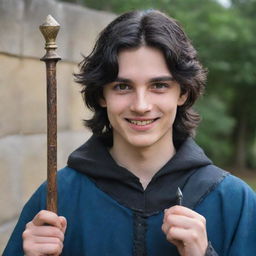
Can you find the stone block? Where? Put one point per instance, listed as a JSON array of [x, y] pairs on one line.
[[22, 170], [31, 82], [33, 95], [11, 20], [9, 95], [23, 97], [33, 165], [78, 110], [79, 34], [69, 141], [64, 95], [34, 159], [5, 233], [10, 176]]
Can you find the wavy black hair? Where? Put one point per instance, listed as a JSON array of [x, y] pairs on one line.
[[131, 30]]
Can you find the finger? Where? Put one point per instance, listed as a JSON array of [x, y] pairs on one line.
[[178, 243], [46, 240], [165, 227], [47, 217], [44, 231], [49, 249], [187, 236], [184, 222], [181, 210], [63, 222]]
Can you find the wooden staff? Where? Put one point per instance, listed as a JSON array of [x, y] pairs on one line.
[[50, 29]]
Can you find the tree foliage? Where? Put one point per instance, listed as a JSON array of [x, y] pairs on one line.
[[225, 39]]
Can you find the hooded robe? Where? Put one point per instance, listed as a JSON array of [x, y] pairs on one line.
[[109, 213]]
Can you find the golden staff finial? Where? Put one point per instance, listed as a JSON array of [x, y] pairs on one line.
[[50, 29]]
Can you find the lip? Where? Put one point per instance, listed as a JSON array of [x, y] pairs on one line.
[[143, 126]]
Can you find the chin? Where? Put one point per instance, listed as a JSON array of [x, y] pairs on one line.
[[142, 142]]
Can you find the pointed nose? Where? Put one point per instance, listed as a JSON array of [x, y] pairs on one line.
[[141, 103]]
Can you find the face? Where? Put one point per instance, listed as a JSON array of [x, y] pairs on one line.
[[142, 102]]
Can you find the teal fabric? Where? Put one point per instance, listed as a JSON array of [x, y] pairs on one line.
[[98, 225], [231, 218]]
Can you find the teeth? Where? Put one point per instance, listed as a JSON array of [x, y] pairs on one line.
[[145, 122]]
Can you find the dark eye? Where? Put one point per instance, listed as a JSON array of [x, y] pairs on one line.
[[122, 87], [160, 85]]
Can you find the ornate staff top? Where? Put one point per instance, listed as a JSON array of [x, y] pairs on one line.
[[50, 29]]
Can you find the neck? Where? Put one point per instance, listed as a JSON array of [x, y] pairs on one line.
[[144, 162]]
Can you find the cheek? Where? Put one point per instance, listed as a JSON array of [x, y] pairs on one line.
[[167, 104], [169, 108], [115, 108]]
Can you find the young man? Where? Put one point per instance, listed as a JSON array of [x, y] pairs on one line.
[[118, 193]]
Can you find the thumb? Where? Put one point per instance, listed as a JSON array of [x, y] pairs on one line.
[[63, 222]]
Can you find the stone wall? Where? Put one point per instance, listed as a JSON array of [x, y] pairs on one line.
[[23, 95]]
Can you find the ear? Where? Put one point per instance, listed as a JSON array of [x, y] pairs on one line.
[[182, 99], [102, 102]]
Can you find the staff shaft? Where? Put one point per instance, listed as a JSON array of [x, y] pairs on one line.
[[50, 30], [51, 135]]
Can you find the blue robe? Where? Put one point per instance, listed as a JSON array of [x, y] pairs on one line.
[[101, 223]]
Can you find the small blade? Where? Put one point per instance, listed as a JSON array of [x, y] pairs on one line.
[[179, 196]]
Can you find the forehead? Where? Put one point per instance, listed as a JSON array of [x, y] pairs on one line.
[[143, 61]]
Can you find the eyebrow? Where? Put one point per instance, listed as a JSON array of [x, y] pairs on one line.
[[152, 80], [161, 79]]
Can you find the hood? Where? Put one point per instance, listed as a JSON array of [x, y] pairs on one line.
[[94, 160]]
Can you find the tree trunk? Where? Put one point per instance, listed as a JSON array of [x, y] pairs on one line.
[[241, 138]]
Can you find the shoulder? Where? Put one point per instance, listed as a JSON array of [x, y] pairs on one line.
[[237, 196], [233, 187], [231, 194], [69, 179], [222, 185], [201, 183], [68, 175], [65, 177]]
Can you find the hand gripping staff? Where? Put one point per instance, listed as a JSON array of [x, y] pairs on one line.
[[50, 29]]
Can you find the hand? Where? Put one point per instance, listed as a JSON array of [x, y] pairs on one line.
[[44, 235], [186, 229]]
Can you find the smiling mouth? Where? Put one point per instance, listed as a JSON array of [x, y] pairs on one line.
[[141, 122]]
